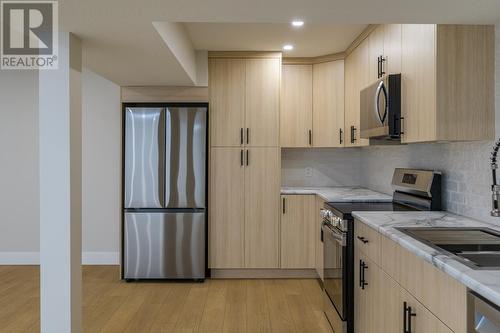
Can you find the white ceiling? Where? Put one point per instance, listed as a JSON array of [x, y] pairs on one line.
[[309, 41], [121, 43]]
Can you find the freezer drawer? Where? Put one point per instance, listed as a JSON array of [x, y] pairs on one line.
[[144, 158], [164, 245], [185, 162]]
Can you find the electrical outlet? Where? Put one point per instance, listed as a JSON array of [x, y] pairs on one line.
[[309, 172]]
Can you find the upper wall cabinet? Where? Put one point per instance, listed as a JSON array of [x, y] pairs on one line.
[[328, 104], [447, 82], [227, 101], [244, 101], [384, 45], [296, 106], [312, 109], [357, 69], [262, 101]]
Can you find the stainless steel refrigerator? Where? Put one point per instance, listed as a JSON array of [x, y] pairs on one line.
[[164, 224]]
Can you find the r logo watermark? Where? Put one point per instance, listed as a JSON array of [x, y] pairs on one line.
[[29, 35]]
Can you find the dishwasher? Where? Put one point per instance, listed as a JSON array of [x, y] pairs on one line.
[[483, 316]]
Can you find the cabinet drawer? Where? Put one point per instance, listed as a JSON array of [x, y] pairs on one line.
[[441, 294], [367, 240]]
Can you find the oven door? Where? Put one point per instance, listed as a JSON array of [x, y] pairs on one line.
[[335, 269]]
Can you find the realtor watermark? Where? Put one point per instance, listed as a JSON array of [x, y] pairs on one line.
[[29, 34]]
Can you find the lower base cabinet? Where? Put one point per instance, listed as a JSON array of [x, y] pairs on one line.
[[318, 222], [298, 231], [383, 305]]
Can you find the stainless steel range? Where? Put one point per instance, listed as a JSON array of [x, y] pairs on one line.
[[413, 190]]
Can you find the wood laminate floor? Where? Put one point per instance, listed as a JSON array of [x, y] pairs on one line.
[[110, 305]]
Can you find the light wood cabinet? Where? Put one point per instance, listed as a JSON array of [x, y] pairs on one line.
[[296, 114], [244, 184], [262, 102], [422, 320], [227, 206], [227, 101], [318, 220], [328, 104], [376, 51], [392, 49], [398, 278], [262, 188], [447, 82], [244, 204], [298, 231], [356, 78], [244, 99], [366, 294]]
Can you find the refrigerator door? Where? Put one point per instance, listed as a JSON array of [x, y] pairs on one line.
[[164, 245], [144, 157], [185, 151]]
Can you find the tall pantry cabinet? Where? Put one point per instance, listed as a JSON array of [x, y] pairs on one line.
[[244, 166]]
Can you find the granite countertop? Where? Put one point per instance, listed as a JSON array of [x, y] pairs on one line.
[[340, 193], [484, 282]]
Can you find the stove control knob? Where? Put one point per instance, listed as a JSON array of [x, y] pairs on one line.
[[325, 213]]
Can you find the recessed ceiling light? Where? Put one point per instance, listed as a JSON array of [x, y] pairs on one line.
[[297, 23], [288, 47]]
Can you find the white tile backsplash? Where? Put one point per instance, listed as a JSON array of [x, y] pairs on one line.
[[330, 167]]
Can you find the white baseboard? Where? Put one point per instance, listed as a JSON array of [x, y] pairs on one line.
[[19, 258], [33, 258], [100, 258]]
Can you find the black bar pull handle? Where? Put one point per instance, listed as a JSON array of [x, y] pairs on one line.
[[310, 138], [241, 136], [241, 158], [405, 318], [248, 135], [378, 67], [364, 283], [284, 209], [353, 134], [382, 60], [248, 158], [364, 240], [410, 314], [340, 136], [360, 272]]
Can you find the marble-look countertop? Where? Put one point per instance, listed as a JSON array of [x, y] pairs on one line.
[[340, 194], [484, 282]]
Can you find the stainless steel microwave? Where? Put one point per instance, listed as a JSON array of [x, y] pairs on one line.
[[380, 107]]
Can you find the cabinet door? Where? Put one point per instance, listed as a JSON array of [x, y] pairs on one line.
[[418, 82], [262, 102], [296, 106], [423, 321], [356, 78], [392, 48], [328, 104], [227, 202], [262, 204], [318, 221], [298, 231], [227, 101], [389, 305], [360, 296], [376, 49]]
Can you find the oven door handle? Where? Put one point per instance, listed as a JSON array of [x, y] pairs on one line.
[[337, 236]]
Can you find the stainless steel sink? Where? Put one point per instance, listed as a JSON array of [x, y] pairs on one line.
[[478, 248]]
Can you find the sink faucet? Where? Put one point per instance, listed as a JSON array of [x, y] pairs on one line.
[[495, 188]]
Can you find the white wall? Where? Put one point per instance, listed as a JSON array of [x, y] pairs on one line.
[[19, 206], [19, 198], [101, 168]]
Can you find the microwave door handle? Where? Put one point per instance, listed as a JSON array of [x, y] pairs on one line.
[[376, 100]]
